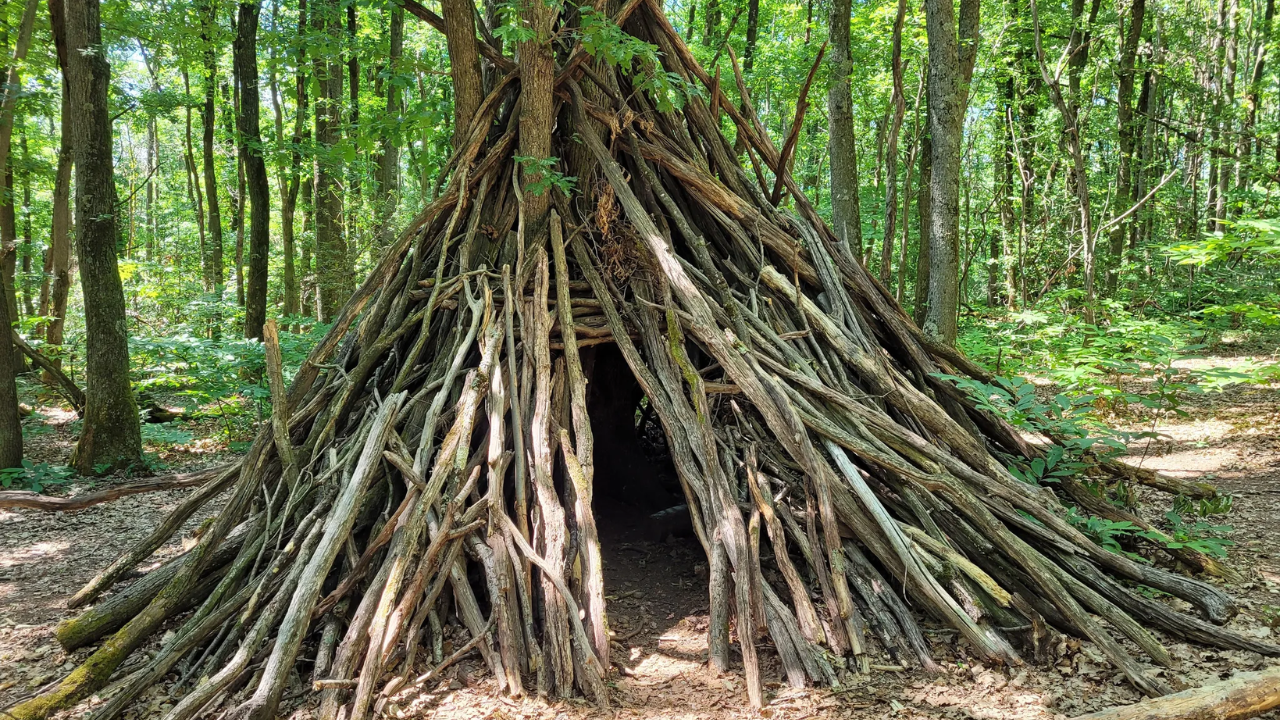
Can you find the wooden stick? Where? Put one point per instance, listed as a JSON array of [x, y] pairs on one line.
[[789, 146], [279, 402]]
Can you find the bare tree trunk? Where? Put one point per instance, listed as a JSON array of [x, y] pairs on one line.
[[753, 31], [10, 419], [333, 267], [1071, 137], [464, 64], [1250, 145], [537, 73], [151, 161], [10, 361], [110, 438], [1127, 131], [388, 177], [309, 297], [1079, 45], [259, 190], [1009, 231], [1148, 110], [57, 265], [917, 145], [1228, 102], [353, 195], [1213, 87], [28, 248], [239, 199], [846, 215], [195, 194], [711, 18], [899, 109], [952, 51], [214, 276], [924, 215], [9, 243], [290, 177], [8, 223]]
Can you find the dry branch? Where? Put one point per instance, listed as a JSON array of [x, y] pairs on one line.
[[1244, 696], [38, 501]]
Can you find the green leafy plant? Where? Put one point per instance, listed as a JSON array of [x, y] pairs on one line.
[[1198, 534], [164, 434], [511, 26], [35, 476], [1077, 438], [545, 175], [1107, 533]]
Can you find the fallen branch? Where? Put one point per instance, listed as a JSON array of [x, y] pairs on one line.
[[1244, 696], [36, 501], [66, 385]]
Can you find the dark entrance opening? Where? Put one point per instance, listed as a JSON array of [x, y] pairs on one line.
[[654, 568]]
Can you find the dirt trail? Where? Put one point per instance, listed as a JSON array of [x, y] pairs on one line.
[[658, 608]]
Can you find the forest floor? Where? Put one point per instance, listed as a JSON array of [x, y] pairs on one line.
[[658, 603]]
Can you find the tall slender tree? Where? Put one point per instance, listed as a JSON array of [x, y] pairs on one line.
[[57, 265], [214, 275], [953, 49], [10, 419], [537, 107], [255, 167], [898, 111], [8, 108], [333, 276], [753, 34], [289, 177], [388, 171], [110, 437], [464, 64], [842, 144], [1127, 132], [1250, 144]]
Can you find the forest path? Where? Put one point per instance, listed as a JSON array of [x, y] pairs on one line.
[[658, 605]]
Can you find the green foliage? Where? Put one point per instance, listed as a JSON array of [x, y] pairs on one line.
[[603, 39], [1198, 534], [35, 476], [1247, 238], [165, 434], [1078, 438], [1107, 533], [1078, 441], [214, 377], [545, 175], [511, 27], [34, 425], [1132, 361]]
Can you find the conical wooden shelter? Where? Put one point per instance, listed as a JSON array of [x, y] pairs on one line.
[[436, 454]]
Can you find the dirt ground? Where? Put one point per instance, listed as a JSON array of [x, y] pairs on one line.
[[658, 606]]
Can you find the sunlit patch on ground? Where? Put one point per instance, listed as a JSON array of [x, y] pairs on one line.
[[36, 552]]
